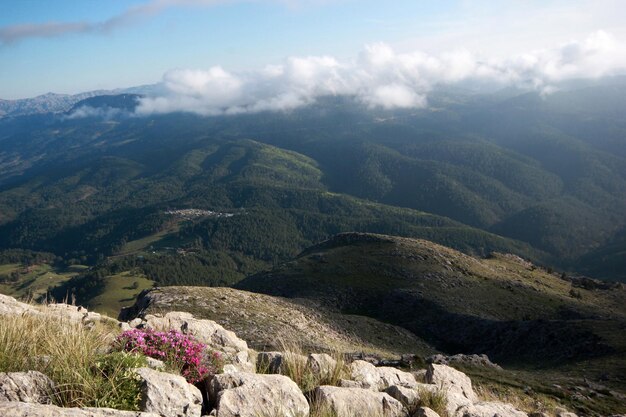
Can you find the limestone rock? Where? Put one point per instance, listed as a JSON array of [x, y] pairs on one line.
[[420, 375], [349, 402], [490, 409], [425, 412], [456, 384], [561, 412], [380, 378], [74, 313], [29, 387], [321, 364], [348, 383], [276, 362], [365, 374], [471, 360], [250, 395], [155, 364], [407, 396], [168, 395], [389, 376], [206, 331], [9, 305], [272, 360], [20, 409]]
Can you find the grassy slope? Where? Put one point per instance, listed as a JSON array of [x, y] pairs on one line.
[[267, 322], [522, 316], [119, 291], [34, 281]]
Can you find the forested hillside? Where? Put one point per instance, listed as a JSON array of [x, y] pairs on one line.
[[542, 177]]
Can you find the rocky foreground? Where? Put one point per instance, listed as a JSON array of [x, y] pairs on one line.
[[364, 389]]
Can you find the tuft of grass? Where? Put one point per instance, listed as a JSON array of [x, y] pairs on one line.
[[435, 400], [295, 366], [321, 410], [72, 356]]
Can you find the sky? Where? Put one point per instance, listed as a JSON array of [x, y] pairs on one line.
[[230, 56]]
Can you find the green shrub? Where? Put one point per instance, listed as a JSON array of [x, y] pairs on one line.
[[121, 386]]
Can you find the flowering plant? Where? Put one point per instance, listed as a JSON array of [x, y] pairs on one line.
[[177, 350]]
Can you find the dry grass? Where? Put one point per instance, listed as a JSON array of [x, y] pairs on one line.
[[295, 366], [518, 398], [435, 400], [64, 350]]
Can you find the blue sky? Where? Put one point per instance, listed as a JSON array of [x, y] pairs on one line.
[[68, 46]]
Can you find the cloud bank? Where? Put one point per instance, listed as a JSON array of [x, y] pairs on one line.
[[379, 77]]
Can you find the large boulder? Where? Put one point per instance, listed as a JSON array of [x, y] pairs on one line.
[[74, 313], [461, 359], [379, 378], [410, 396], [28, 387], [490, 409], [365, 374], [321, 364], [209, 332], [272, 362], [20, 409], [407, 396], [425, 412], [277, 362], [10, 306], [168, 395], [456, 384], [350, 402], [251, 395], [389, 376]]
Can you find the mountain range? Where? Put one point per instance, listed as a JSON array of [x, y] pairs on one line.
[[543, 177]]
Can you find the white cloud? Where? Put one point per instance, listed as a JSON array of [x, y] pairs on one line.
[[380, 77], [106, 113]]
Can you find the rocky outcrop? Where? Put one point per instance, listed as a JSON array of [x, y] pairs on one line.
[[490, 409], [349, 402], [456, 385], [410, 396], [321, 364], [425, 412], [10, 306], [251, 395], [168, 395], [239, 392], [19, 409], [407, 396], [276, 362], [209, 332], [380, 378], [28, 387], [271, 362], [465, 360]]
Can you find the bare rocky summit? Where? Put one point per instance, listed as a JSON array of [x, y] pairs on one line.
[[241, 392]]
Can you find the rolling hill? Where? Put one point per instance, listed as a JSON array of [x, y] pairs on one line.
[[503, 306]]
